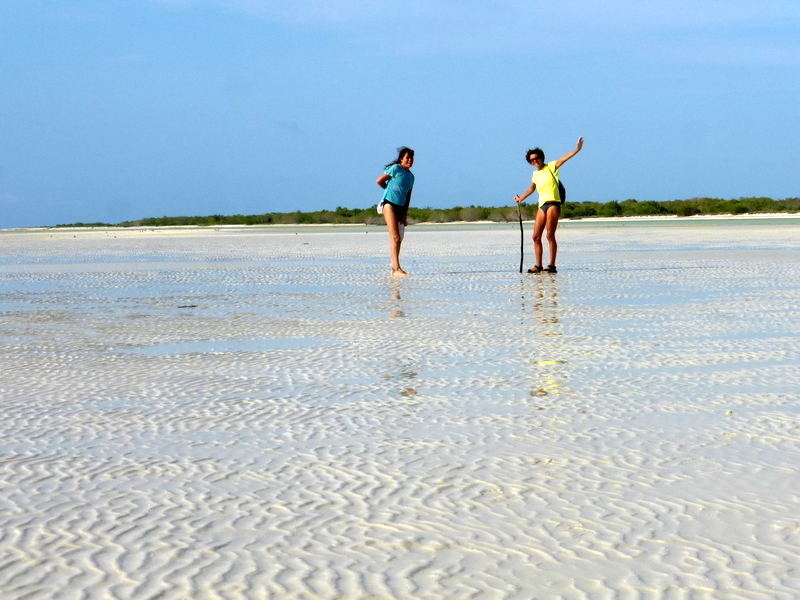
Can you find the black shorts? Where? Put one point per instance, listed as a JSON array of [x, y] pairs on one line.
[[548, 205], [399, 211]]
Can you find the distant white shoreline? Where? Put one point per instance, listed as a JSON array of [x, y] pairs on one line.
[[428, 224]]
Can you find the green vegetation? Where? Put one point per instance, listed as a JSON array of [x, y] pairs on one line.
[[571, 210]]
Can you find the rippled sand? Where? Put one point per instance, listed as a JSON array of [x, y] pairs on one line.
[[245, 413]]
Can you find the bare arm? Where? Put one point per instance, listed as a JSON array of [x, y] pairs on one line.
[[383, 180], [525, 194], [569, 155], [405, 218]]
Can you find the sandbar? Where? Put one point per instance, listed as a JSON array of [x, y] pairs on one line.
[[258, 414]]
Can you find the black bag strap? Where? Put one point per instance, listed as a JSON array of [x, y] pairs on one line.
[[553, 175]]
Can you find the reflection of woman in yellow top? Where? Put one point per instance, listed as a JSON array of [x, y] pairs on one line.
[[545, 181]]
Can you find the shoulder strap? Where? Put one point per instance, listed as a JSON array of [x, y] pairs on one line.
[[558, 185]]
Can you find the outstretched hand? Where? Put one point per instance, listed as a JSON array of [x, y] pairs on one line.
[[580, 144]]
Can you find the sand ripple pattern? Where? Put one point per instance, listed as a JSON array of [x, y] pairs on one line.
[[245, 414]]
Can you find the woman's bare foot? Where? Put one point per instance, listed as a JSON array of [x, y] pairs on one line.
[[398, 272]]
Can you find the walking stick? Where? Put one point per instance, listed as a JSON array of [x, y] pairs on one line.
[[521, 239]]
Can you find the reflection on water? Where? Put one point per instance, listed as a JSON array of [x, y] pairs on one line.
[[399, 372], [540, 313], [549, 377], [401, 376], [396, 300], [545, 303]]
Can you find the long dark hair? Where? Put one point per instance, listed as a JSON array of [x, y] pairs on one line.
[[401, 152]]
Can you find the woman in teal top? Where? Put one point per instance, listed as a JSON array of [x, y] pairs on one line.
[[397, 182], [545, 181]]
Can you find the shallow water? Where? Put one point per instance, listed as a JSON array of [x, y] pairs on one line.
[[264, 414]]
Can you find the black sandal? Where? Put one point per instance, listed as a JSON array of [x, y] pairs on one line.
[[550, 269], [535, 270]]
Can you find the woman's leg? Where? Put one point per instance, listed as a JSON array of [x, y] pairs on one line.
[[538, 228], [395, 239], [551, 222]]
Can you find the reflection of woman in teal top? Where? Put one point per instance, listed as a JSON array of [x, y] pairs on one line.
[[545, 181], [397, 182]]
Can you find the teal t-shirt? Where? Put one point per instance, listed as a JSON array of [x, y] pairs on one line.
[[399, 186]]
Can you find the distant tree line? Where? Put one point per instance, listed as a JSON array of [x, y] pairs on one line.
[[570, 210]]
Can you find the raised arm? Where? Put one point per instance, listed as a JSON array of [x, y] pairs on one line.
[[569, 155]]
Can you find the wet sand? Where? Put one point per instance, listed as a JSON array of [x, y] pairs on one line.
[[261, 413]]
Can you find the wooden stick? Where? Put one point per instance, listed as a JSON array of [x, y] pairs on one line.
[[521, 239]]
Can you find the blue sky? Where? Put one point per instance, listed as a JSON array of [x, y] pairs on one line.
[[124, 109]]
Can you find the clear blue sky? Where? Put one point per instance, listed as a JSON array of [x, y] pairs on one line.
[[122, 109]]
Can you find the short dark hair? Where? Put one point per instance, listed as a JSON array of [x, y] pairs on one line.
[[534, 152]]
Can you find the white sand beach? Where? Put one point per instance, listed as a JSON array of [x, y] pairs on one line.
[[254, 413]]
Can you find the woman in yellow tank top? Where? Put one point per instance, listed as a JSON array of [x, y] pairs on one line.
[[545, 181]]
